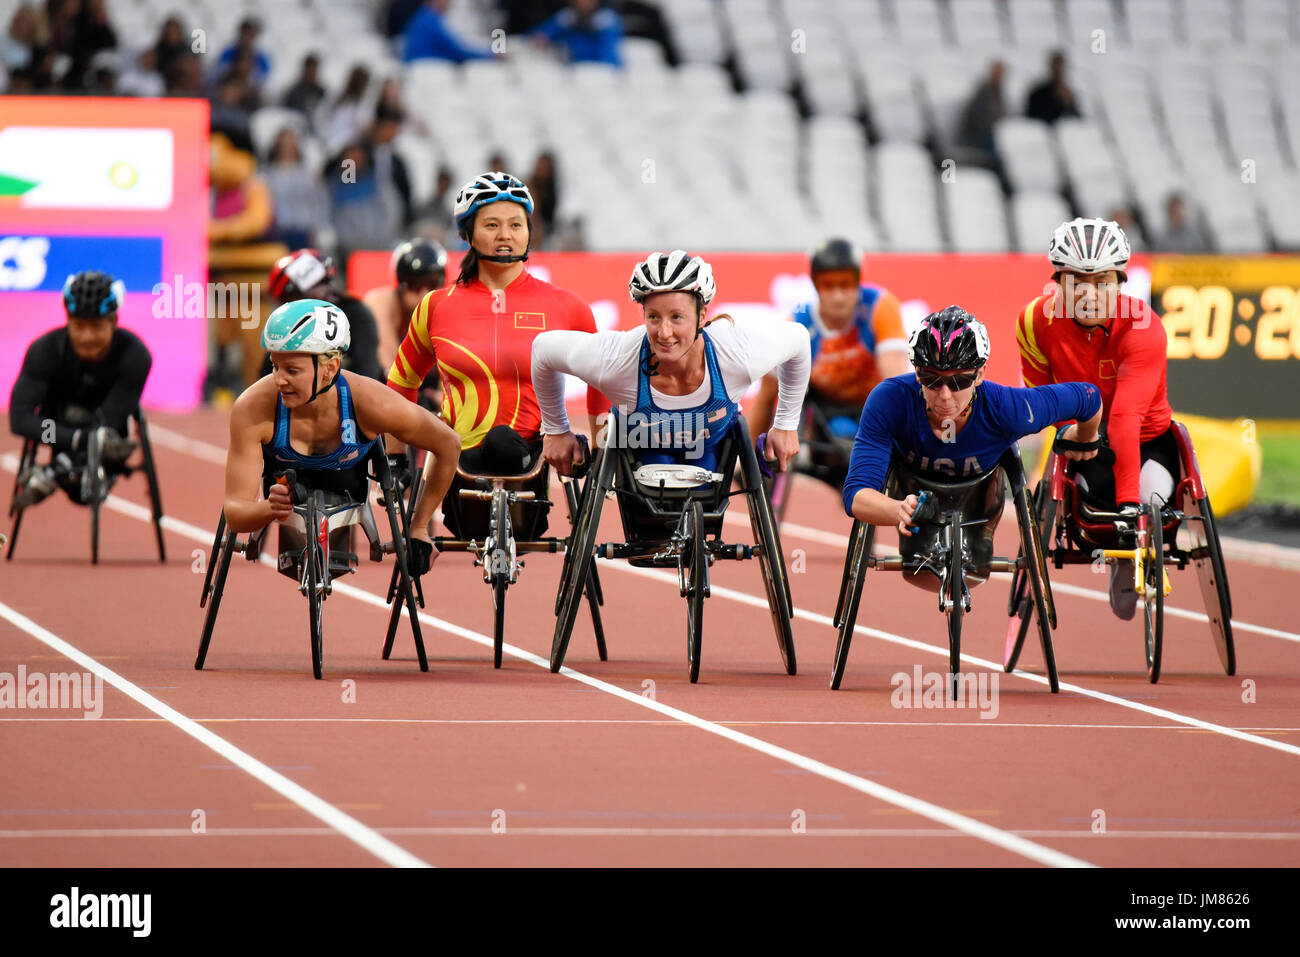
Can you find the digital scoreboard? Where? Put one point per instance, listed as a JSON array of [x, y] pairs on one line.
[[1234, 334]]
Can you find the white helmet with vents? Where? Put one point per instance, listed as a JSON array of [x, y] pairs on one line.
[[1089, 246], [677, 271]]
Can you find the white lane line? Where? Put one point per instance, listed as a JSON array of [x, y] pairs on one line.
[[875, 833], [941, 815], [842, 542], [348, 826], [177, 442], [747, 599], [733, 722]]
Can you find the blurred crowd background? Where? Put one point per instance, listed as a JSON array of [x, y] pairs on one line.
[[906, 125]]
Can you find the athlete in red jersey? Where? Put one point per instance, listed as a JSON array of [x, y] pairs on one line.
[[1086, 331], [480, 330]]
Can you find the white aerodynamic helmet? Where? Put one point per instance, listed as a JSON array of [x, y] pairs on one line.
[[677, 271], [1088, 246]]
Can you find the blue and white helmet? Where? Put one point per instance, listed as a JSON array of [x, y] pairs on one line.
[[491, 187]]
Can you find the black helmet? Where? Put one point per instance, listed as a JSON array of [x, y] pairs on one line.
[[950, 339], [92, 295], [419, 261], [835, 254]]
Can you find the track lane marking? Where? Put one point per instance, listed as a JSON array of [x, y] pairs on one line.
[[342, 823], [934, 812]]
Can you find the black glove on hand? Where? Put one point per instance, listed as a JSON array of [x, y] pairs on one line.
[[419, 556]]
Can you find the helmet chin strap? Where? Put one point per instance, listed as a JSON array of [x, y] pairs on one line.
[[316, 390], [505, 259], [959, 414]]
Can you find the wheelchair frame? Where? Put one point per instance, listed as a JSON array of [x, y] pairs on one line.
[[27, 458], [1081, 534], [498, 552], [315, 574], [950, 569], [672, 530], [779, 483]]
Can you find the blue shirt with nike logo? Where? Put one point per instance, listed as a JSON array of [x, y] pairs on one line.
[[894, 422]]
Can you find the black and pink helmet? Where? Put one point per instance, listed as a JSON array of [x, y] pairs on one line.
[[950, 339]]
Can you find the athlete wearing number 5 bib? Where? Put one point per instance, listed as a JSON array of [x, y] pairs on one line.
[[311, 416]]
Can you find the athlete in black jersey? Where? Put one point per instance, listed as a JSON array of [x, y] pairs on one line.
[[79, 379]]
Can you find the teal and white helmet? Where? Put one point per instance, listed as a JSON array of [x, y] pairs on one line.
[[307, 325]]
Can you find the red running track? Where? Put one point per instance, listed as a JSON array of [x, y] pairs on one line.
[[618, 763]]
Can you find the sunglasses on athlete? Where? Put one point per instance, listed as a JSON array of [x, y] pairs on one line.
[[934, 381]]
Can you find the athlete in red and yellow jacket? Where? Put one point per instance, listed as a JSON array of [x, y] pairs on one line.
[[1086, 331], [480, 330]]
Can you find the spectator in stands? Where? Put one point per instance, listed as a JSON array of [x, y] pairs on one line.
[[398, 15], [229, 114], [1124, 217], [140, 77], [301, 206], [980, 115], [170, 46], [427, 37], [369, 188], [390, 99], [542, 184], [1182, 234], [1053, 98], [101, 74], [347, 117], [434, 218], [241, 202], [306, 93], [184, 78], [246, 43], [91, 32], [497, 161], [29, 34], [584, 32]]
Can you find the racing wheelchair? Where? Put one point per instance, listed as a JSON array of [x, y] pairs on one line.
[[950, 550], [315, 545], [497, 518], [1160, 535], [672, 518], [825, 449], [97, 482]]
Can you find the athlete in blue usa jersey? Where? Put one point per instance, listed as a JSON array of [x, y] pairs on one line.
[[946, 422]]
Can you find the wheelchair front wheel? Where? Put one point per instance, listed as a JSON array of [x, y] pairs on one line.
[[499, 557], [1154, 599], [955, 589], [314, 574], [694, 574]]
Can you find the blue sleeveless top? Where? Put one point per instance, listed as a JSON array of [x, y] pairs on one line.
[[350, 452], [685, 436]]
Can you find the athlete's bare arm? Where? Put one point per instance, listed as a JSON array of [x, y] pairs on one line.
[[251, 426], [380, 410]]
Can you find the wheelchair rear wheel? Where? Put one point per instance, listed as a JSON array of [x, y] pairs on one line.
[[1212, 574], [846, 615], [1154, 599], [219, 565], [777, 585], [579, 558]]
